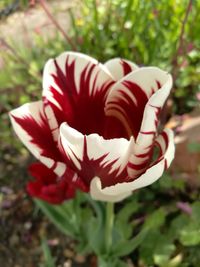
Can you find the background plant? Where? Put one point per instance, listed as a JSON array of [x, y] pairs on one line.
[[165, 34]]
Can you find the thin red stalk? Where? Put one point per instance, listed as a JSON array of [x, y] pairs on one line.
[[57, 25], [175, 66], [181, 40], [13, 51]]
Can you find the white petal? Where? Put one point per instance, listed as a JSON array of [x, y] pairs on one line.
[[97, 193], [156, 101], [118, 149], [148, 130], [99, 75], [150, 176], [128, 97], [52, 121], [32, 111], [117, 67], [30, 124]]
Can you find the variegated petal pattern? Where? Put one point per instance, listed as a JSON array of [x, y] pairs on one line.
[[95, 129], [117, 192]]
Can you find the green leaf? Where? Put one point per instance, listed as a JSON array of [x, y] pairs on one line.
[[60, 217], [156, 248], [105, 261], [49, 260], [194, 147], [95, 235], [129, 209], [123, 228], [196, 211], [177, 225], [163, 251], [187, 228], [156, 219], [167, 182], [127, 246], [91, 226], [190, 235]]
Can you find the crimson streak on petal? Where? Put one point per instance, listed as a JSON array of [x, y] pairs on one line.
[[40, 135], [96, 128], [89, 168], [132, 101], [126, 67], [162, 143], [81, 105]]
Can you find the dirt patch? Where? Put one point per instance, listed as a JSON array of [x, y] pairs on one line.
[[20, 24], [20, 27]]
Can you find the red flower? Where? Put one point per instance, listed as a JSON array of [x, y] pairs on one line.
[[96, 128], [50, 187]]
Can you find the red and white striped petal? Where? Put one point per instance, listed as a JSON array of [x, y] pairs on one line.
[[128, 97], [119, 67], [153, 173], [76, 86], [143, 149], [30, 124], [92, 155], [52, 121]]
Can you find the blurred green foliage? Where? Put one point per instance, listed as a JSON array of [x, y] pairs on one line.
[[48, 259], [8, 7], [5, 3], [148, 33], [163, 233]]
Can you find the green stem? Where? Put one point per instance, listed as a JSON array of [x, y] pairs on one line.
[[109, 225]]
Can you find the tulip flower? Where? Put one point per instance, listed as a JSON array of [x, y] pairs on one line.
[[96, 128]]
